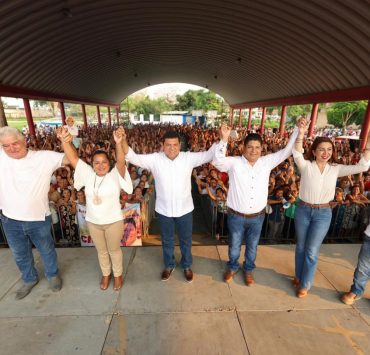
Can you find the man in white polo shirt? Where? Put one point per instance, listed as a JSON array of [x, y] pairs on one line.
[[24, 185], [247, 196], [172, 171]]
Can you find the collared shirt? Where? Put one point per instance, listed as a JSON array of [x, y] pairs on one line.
[[248, 184], [317, 187], [25, 183], [172, 178]]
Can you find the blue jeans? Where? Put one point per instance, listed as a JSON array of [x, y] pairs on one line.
[[20, 236], [311, 225], [362, 272], [184, 225], [240, 229]]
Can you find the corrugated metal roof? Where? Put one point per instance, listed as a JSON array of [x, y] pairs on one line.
[[244, 50]]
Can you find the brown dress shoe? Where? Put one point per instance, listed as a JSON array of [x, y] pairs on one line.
[[302, 292], [118, 282], [229, 275], [296, 282], [104, 282], [248, 278], [188, 275], [166, 274]]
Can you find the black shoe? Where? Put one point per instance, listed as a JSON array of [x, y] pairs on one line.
[[25, 289], [188, 275], [166, 274]]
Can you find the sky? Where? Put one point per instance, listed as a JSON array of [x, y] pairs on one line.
[[13, 102], [171, 89]]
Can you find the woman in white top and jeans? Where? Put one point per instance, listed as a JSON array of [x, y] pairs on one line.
[[103, 209], [319, 174]]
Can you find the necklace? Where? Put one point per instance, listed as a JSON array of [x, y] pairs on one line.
[[97, 199]]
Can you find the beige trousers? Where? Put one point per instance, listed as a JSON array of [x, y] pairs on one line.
[[107, 240]]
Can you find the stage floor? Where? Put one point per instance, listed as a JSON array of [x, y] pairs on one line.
[[205, 317]]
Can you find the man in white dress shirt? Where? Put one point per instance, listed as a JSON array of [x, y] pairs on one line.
[[247, 197], [26, 216], [172, 171]]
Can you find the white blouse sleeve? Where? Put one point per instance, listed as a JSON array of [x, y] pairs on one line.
[[345, 170], [82, 172], [299, 159], [125, 183]]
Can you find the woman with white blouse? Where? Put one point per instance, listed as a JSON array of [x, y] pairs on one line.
[[103, 209], [319, 174]]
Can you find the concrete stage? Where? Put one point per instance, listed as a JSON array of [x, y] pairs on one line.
[[206, 317]]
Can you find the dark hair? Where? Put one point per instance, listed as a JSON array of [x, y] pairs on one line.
[[252, 137], [315, 144], [99, 152], [170, 135], [279, 188], [100, 144]]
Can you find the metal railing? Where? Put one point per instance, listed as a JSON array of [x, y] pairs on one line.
[[147, 212], [64, 228], [347, 225]]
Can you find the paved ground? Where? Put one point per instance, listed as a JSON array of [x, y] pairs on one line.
[[206, 317]]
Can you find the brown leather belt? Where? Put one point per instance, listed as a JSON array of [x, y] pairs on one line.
[[244, 214], [315, 205]]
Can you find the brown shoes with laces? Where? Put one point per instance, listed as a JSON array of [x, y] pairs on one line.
[[166, 274], [104, 282], [118, 282], [248, 278], [229, 275], [188, 275]]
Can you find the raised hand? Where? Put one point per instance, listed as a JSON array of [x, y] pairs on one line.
[[225, 131], [119, 134], [63, 135], [302, 125]]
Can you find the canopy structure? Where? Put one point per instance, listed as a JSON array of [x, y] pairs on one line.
[[248, 51]]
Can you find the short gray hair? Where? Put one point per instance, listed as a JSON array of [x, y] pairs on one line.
[[10, 131]]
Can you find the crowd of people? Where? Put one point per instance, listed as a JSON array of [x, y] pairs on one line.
[[169, 156], [349, 204]]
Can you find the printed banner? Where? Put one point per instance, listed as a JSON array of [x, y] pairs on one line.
[[85, 238], [132, 227]]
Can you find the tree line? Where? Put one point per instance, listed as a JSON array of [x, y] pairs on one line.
[[339, 114]]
